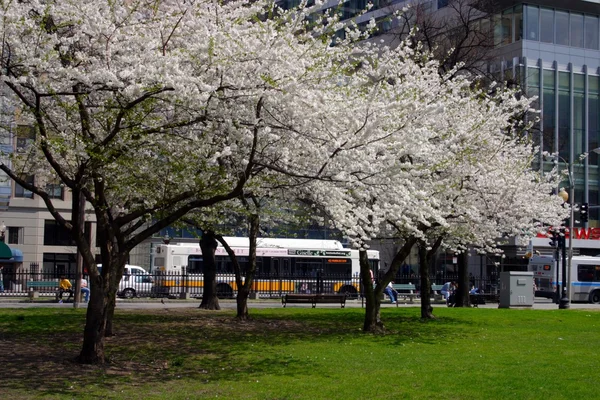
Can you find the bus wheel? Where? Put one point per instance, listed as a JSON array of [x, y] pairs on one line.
[[349, 291], [224, 291], [595, 297], [128, 293]]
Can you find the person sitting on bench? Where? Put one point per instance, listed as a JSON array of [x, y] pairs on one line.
[[64, 286], [391, 292]]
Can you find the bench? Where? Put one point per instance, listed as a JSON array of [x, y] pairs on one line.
[[34, 286], [492, 297], [313, 299], [405, 290], [436, 292], [41, 284], [476, 299]]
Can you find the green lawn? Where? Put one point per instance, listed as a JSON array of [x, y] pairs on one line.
[[302, 353]]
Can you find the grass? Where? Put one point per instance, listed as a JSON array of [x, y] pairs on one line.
[[303, 353]]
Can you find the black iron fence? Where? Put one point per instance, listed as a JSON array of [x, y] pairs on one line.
[[189, 285]]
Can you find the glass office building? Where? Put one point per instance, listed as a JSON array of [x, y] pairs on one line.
[[552, 49]]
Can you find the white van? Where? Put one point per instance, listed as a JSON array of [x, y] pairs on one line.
[[135, 282]]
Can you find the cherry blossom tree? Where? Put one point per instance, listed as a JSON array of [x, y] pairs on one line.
[[446, 167], [148, 110]]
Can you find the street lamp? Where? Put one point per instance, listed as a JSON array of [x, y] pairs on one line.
[[2, 232], [565, 295], [564, 302]]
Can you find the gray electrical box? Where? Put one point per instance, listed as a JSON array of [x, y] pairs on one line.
[[516, 289]]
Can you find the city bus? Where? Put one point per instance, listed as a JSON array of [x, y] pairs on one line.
[[585, 277], [282, 266]]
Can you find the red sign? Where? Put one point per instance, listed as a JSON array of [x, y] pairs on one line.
[[580, 233]]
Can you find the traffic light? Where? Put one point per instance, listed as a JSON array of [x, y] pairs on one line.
[[562, 238], [554, 239], [584, 215]]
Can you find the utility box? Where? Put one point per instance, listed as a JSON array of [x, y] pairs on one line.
[[516, 289]]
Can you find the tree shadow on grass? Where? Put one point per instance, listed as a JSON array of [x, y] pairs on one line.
[[37, 353]]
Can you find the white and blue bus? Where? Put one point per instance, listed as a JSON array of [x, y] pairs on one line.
[[584, 278]]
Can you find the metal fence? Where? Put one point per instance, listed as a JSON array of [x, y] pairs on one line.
[[189, 285]]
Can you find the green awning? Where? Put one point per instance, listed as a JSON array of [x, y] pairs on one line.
[[5, 251]]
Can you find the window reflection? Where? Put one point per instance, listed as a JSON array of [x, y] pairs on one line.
[[532, 24], [547, 25], [562, 28], [591, 32], [576, 30]]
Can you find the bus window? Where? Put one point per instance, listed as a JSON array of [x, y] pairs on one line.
[[225, 265], [285, 267], [159, 261], [195, 264], [307, 266], [585, 273], [374, 265], [266, 266]]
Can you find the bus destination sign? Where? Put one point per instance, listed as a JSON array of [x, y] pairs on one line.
[[317, 253]]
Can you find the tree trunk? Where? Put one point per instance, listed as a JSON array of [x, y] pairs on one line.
[[462, 292], [372, 321], [244, 289], [110, 311], [242, 304], [426, 308], [98, 317], [114, 282], [208, 245]]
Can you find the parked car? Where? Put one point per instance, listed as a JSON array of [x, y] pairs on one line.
[[136, 282]]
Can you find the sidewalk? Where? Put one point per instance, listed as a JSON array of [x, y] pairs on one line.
[[152, 303]]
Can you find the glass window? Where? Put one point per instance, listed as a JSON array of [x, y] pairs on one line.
[[56, 235], [507, 31], [578, 113], [20, 191], [195, 264], [591, 32], [562, 28], [55, 191], [518, 16], [588, 273], [533, 90], [287, 4], [533, 77], [547, 25], [59, 264], [15, 235], [576, 30], [593, 119], [25, 135], [549, 111], [307, 267], [532, 23], [593, 199], [564, 115]]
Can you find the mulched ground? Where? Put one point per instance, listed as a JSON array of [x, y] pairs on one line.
[[140, 351]]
